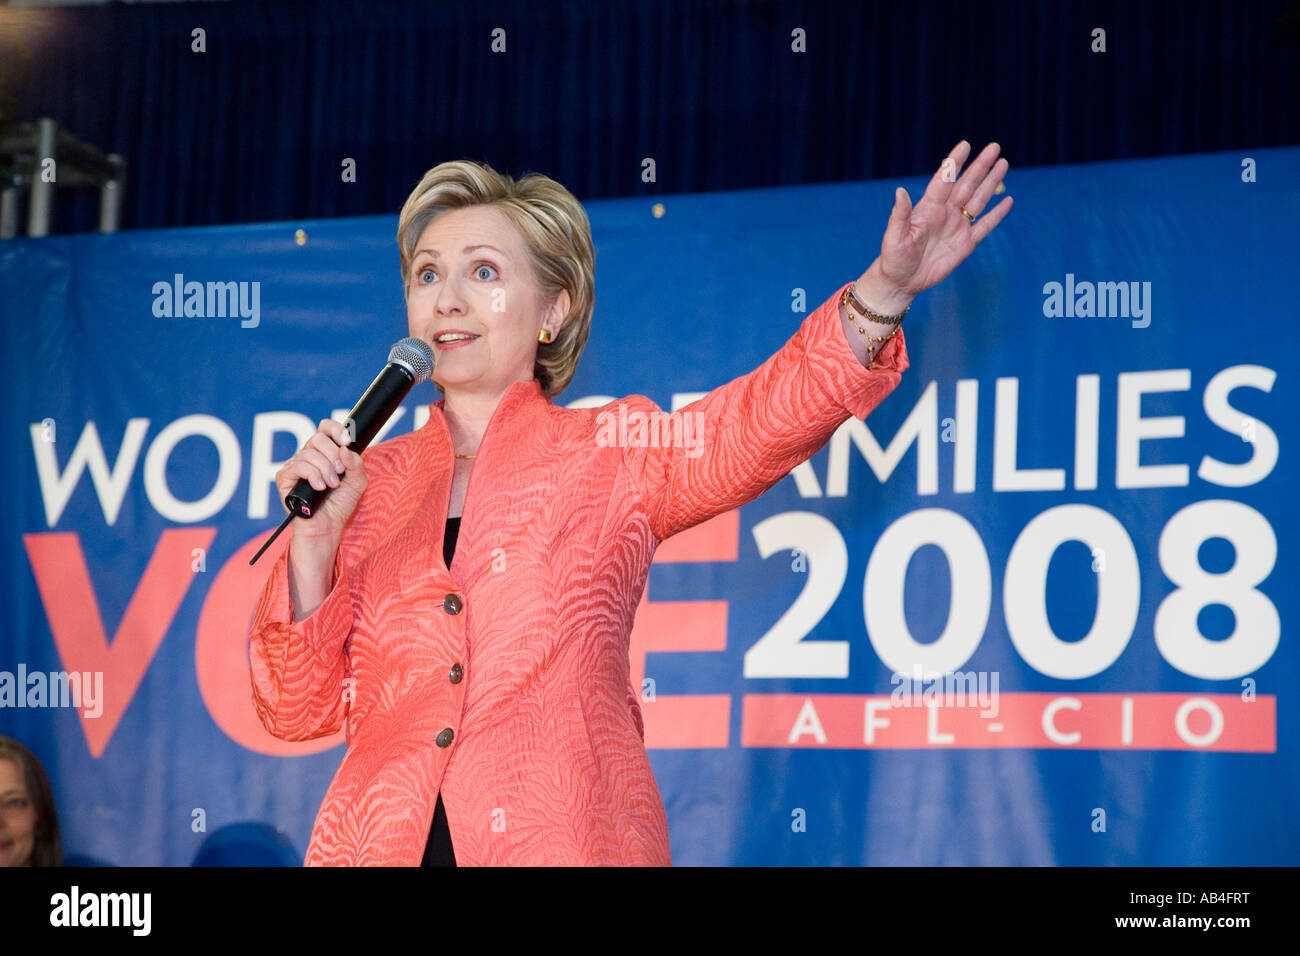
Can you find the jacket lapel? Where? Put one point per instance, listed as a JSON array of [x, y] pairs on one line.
[[521, 409]]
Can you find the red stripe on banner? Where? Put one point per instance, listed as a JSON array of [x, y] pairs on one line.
[[1139, 721], [685, 720]]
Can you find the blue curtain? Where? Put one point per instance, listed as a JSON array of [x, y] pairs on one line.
[[256, 128]]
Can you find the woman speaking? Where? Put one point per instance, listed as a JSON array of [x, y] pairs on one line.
[[462, 600]]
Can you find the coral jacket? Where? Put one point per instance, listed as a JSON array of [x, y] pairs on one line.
[[503, 681]]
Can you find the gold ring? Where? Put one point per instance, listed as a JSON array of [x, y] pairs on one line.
[[966, 214]]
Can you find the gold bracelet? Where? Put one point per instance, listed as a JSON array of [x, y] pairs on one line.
[[861, 307], [871, 349]]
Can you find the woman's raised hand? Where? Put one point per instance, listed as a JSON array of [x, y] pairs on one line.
[[922, 245]]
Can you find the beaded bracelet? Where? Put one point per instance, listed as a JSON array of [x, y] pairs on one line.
[[851, 305]]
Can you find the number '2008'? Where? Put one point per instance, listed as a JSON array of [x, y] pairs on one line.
[[782, 652]]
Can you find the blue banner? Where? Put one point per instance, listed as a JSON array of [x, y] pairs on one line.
[[1031, 611]]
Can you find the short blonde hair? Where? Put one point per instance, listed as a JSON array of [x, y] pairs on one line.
[[556, 233]]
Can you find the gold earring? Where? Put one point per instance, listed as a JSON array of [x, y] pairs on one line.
[[544, 336]]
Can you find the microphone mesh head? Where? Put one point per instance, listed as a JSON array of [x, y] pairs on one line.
[[416, 355]]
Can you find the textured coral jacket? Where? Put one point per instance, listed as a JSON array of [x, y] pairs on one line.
[[504, 680]]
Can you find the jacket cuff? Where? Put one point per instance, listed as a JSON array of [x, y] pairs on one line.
[[327, 628], [858, 387]]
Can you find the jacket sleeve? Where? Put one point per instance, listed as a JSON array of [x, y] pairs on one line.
[[298, 668], [760, 426]]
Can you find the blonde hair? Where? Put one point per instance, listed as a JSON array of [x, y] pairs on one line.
[[556, 233]]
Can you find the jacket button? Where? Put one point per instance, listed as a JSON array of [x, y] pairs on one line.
[[457, 672], [452, 604], [444, 737]]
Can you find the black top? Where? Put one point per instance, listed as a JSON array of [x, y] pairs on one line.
[[438, 851]]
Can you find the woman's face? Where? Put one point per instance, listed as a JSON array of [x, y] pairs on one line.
[[17, 817], [470, 274]]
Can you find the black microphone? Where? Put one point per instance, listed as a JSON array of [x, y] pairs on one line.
[[410, 362]]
